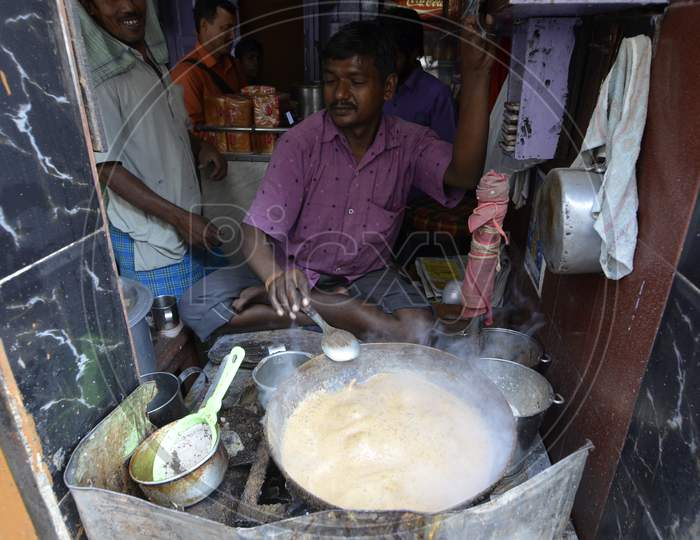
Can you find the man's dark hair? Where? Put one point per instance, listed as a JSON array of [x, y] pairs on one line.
[[362, 38], [206, 9], [405, 28], [248, 45]]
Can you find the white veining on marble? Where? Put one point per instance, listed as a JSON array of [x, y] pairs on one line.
[[21, 271], [27, 79], [95, 279], [71, 211], [676, 421], [62, 338], [4, 139], [34, 300], [24, 17], [4, 225], [21, 363], [21, 120], [59, 458]]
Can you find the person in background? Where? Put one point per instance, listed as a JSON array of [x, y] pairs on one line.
[[149, 168], [249, 54], [420, 97], [210, 70]]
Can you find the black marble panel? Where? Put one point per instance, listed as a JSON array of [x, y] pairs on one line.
[[71, 517], [689, 264], [66, 338], [47, 194], [656, 489]]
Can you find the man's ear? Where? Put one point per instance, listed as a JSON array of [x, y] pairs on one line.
[[390, 86]]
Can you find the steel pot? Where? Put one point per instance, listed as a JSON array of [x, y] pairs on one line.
[[188, 487], [168, 404], [564, 210], [462, 379], [529, 395], [512, 345], [273, 370]]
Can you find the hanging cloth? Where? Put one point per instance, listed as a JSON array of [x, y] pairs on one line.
[[486, 226]]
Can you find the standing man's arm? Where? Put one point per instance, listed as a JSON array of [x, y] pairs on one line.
[[469, 150], [442, 117], [209, 157], [193, 228]]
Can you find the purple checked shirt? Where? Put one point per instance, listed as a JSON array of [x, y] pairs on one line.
[[425, 100], [334, 216]]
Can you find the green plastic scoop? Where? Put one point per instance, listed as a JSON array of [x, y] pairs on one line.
[[205, 416]]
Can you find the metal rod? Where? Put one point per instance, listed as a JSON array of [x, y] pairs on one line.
[[241, 129]]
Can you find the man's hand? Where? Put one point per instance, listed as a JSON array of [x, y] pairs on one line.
[[477, 52], [197, 231], [288, 291], [210, 158]]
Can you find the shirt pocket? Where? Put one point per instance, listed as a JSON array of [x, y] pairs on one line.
[[380, 220]]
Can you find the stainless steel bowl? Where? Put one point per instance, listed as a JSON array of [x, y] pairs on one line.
[[529, 395], [274, 369]]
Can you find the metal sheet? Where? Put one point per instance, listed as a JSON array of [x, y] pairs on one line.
[[109, 509]]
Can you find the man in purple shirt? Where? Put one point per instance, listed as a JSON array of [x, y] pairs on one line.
[[420, 97], [320, 230]]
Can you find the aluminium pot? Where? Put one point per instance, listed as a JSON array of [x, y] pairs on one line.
[[529, 395], [185, 489], [460, 378], [514, 346], [564, 209]]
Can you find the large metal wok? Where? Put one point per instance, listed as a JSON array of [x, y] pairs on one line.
[[460, 378]]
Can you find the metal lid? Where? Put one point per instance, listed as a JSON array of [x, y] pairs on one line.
[[138, 298]]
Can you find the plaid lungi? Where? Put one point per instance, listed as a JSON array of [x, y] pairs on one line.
[[174, 279]]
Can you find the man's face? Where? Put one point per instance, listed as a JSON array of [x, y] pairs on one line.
[[354, 91], [250, 62], [217, 35], [123, 19]]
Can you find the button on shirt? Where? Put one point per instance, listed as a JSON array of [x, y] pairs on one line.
[[425, 100], [332, 215]]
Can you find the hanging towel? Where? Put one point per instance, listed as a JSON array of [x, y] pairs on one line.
[[618, 125]]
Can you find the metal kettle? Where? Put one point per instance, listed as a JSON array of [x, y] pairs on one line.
[[564, 206]]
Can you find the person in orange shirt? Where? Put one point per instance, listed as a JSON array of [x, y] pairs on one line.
[[210, 70]]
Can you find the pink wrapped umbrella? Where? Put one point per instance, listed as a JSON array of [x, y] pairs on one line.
[[486, 226]]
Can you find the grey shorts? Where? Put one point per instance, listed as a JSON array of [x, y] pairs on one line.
[[206, 305], [389, 291]]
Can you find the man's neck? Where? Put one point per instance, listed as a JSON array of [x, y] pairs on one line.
[[141, 47], [360, 138]]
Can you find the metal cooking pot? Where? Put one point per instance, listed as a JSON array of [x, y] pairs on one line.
[[564, 205], [461, 378], [188, 487], [273, 370], [310, 98], [515, 346], [529, 395]]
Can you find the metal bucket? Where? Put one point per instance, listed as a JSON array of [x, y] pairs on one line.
[[529, 395]]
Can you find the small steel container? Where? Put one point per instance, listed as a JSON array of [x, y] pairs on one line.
[[274, 369]]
